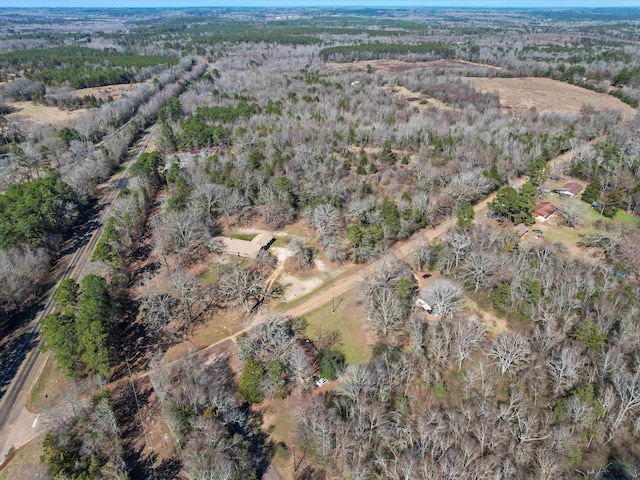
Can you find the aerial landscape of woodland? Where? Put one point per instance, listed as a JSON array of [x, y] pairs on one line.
[[319, 243]]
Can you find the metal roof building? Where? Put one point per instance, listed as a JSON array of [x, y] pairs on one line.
[[246, 248]]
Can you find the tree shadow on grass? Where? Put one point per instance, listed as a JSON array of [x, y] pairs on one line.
[[131, 410]]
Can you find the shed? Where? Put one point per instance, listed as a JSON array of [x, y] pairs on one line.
[[521, 229], [544, 210], [571, 189]]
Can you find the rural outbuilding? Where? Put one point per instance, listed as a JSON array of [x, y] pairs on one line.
[[571, 189], [521, 229], [247, 248]]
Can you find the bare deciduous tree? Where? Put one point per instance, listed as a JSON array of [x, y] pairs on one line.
[[468, 334], [302, 254], [385, 311], [627, 386], [325, 220], [459, 242], [478, 266], [570, 213], [511, 351], [444, 297], [241, 286], [564, 368]]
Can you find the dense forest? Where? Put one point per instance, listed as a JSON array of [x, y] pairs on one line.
[[80, 67]]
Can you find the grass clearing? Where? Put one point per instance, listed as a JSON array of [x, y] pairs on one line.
[[114, 91], [545, 94], [347, 319], [566, 235], [481, 305], [416, 99], [243, 236], [209, 277], [625, 217], [278, 419], [298, 300], [221, 325], [121, 169], [281, 242], [25, 464], [32, 112], [49, 386]]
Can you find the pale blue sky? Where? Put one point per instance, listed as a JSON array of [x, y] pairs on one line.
[[321, 3]]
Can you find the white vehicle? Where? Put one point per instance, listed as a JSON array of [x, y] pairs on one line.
[[321, 381]]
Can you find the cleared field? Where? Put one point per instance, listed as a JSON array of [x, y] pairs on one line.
[[30, 112], [416, 99], [400, 66], [278, 419], [114, 91], [212, 331], [50, 385], [347, 319], [548, 95], [25, 463]]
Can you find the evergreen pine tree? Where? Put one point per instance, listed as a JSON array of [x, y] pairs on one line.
[[593, 191], [250, 386]]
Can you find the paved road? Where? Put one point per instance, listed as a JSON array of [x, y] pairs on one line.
[[12, 412]]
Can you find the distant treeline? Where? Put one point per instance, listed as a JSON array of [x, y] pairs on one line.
[[217, 33], [348, 53], [80, 66]]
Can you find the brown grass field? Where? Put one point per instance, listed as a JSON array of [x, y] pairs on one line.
[[548, 95], [32, 113], [25, 464], [115, 91]]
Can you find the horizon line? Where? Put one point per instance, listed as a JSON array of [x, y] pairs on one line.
[[319, 5]]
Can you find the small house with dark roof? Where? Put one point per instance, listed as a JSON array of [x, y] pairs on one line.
[[571, 189]]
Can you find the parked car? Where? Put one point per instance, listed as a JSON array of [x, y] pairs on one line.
[[321, 381], [426, 275]]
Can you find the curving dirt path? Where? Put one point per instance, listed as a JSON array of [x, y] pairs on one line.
[[356, 274]]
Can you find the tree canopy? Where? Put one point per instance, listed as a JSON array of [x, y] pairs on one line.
[[519, 207], [31, 211], [78, 334]]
